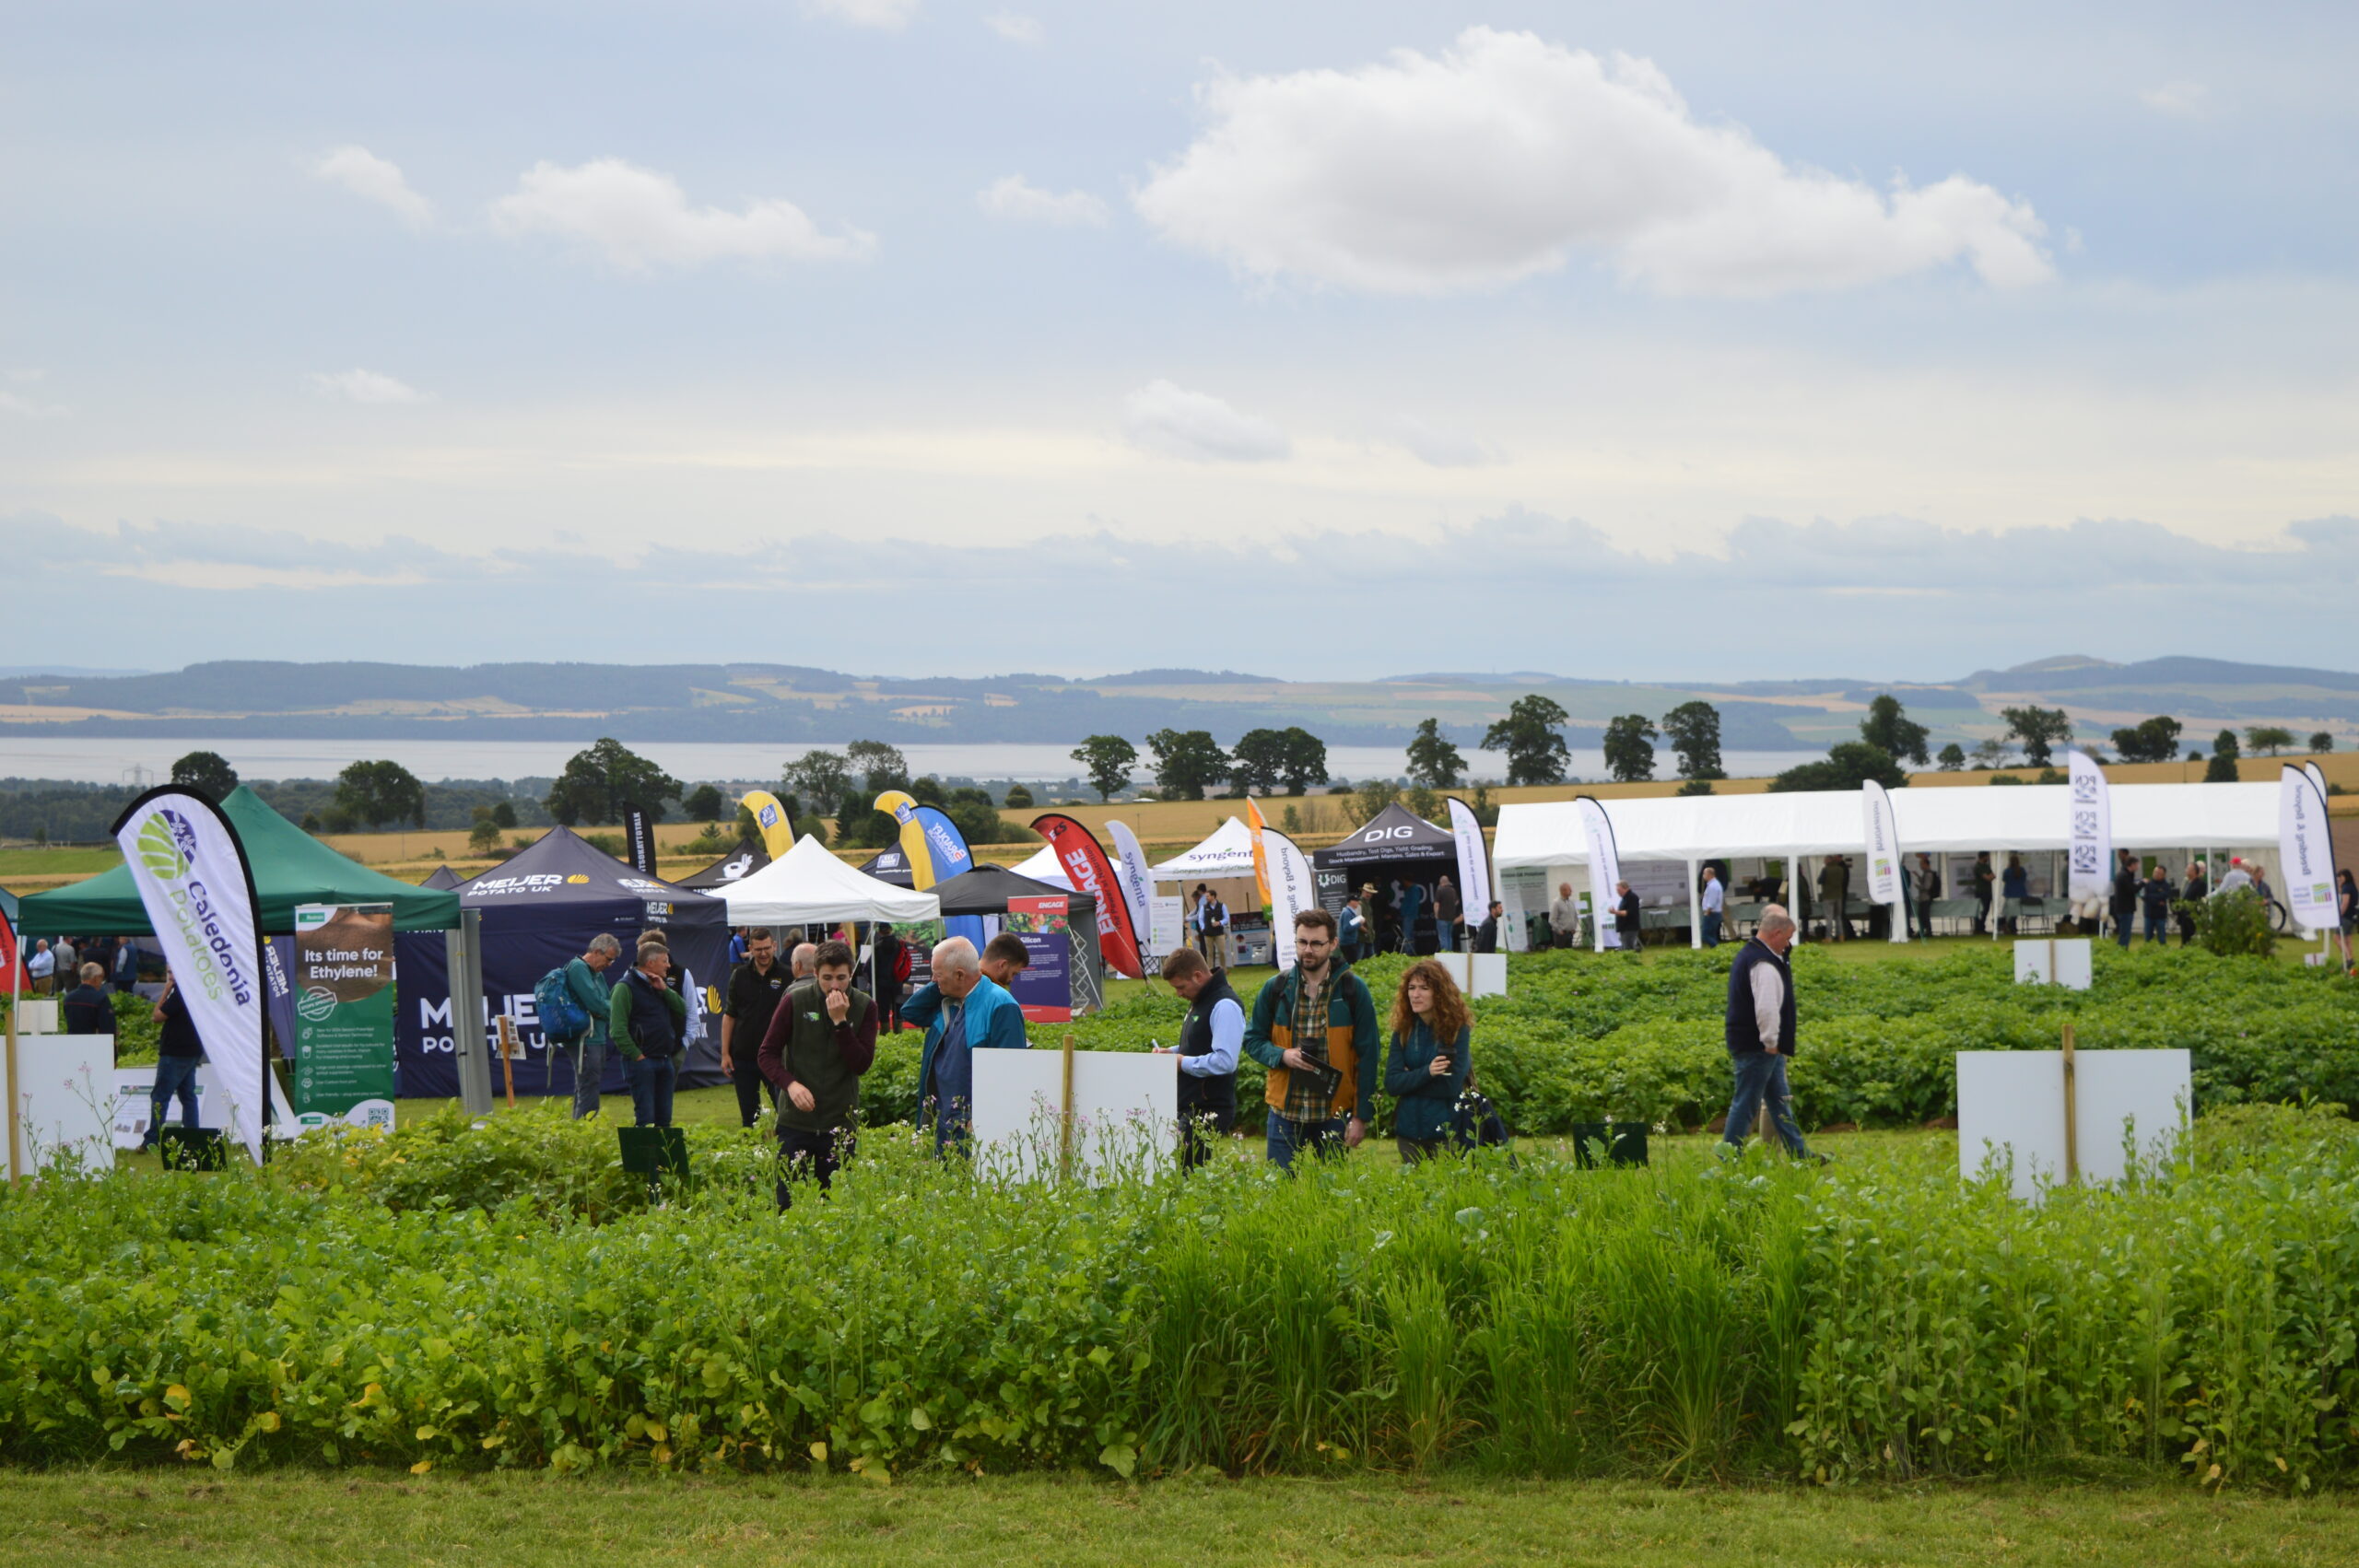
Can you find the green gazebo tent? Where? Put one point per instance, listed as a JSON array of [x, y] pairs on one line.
[[291, 867]]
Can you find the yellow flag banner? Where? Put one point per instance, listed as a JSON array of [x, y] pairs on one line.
[[778, 830], [903, 807], [1253, 820]]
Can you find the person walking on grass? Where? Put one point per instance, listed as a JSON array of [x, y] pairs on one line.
[[1210, 1037], [1760, 1033], [178, 1053], [820, 1039], [594, 995], [1429, 1061], [962, 1011], [1314, 1027], [646, 1018], [756, 987]]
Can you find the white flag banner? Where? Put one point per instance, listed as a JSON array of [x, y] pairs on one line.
[[1883, 843], [1137, 881], [2306, 849], [1474, 862], [1292, 889], [1604, 866], [2089, 852], [199, 894]]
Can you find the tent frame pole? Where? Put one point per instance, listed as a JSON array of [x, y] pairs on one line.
[[1695, 907]]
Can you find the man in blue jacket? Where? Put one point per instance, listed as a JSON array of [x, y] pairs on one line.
[[962, 1011]]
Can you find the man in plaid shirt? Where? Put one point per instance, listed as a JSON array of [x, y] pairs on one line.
[[1314, 1027]]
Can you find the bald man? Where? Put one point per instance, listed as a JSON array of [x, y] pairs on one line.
[[962, 1011]]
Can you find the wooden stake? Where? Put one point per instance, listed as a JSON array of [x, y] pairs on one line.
[[1064, 1116], [2071, 1115], [508, 1056]]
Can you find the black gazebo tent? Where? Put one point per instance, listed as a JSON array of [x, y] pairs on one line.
[[540, 909], [891, 866], [442, 878], [986, 889], [1396, 844], [739, 863]]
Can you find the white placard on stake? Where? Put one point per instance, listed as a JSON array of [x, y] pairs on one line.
[[1477, 974], [1126, 1113], [65, 1099], [2012, 1103], [2054, 961]]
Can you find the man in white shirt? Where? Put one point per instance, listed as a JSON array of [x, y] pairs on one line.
[[2238, 876], [1716, 900], [1564, 918], [40, 966], [1761, 1034]]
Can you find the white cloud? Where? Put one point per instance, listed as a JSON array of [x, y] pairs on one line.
[[1179, 422], [1016, 28], [639, 218], [1439, 448], [1502, 156], [1017, 201], [2187, 100], [374, 179], [25, 407], [357, 385], [890, 16]]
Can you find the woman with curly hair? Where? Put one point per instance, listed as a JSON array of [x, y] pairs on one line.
[[1427, 1064]]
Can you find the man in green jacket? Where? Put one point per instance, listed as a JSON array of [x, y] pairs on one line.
[[821, 1037], [594, 996], [647, 1019], [1314, 1027]]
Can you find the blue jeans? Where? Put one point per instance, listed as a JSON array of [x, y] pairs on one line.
[[2158, 927], [1323, 1139], [1712, 928], [1760, 1075], [2121, 927], [652, 1079], [175, 1076], [589, 1058]]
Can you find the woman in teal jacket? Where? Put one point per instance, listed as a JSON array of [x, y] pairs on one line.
[[1429, 1061]]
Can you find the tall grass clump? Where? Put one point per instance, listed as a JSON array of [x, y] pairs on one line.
[[1698, 1319]]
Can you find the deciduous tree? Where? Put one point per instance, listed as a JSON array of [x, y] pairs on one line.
[[1536, 753]]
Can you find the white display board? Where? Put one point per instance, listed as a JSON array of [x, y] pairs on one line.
[[1125, 1107], [132, 1106], [2012, 1103], [1477, 974], [36, 1015], [1166, 923], [2062, 961], [64, 1096]]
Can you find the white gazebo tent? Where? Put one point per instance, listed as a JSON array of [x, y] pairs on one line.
[[1046, 866], [2189, 818], [807, 886], [1228, 853]]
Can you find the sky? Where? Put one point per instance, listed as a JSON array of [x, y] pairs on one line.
[[1675, 341]]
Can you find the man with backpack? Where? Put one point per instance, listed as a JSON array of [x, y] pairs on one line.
[[595, 998]]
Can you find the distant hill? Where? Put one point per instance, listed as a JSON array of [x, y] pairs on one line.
[[770, 703]]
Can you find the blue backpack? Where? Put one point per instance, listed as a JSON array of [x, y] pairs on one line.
[[563, 1018]]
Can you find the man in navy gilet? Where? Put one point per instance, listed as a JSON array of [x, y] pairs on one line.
[[1761, 1032], [1210, 1038]]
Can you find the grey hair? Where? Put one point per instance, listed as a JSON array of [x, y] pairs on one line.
[[1775, 918], [804, 955], [606, 942], [957, 955]]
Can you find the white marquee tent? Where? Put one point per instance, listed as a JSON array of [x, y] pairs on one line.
[[807, 886], [1046, 866], [1229, 852], [1962, 819]]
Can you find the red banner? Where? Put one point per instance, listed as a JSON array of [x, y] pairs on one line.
[[11, 978], [1090, 872]]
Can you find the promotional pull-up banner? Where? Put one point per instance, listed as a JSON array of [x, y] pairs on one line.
[[2089, 858], [769, 815], [2304, 847], [343, 1015], [1292, 890], [1087, 869], [1474, 862], [1882, 836], [640, 834], [1043, 988], [1604, 866], [1259, 824], [199, 895], [1138, 887]]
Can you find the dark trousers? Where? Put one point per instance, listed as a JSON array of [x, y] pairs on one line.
[[1712, 928], [748, 1076], [802, 1153], [2187, 931], [1199, 1125], [652, 1079], [888, 1010], [2124, 920], [1924, 919], [2158, 927], [175, 1078]]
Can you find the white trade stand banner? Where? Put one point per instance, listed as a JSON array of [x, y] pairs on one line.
[[1605, 869], [199, 894], [1473, 862], [2306, 849], [1884, 854], [1292, 890], [2089, 851], [1138, 884]]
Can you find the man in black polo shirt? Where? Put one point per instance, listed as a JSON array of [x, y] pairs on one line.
[[1210, 1037], [755, 988]]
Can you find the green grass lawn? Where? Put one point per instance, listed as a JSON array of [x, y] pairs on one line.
[[64, 861], [68, 1519]]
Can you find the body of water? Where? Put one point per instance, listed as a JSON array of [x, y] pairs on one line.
[[123, 760]]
